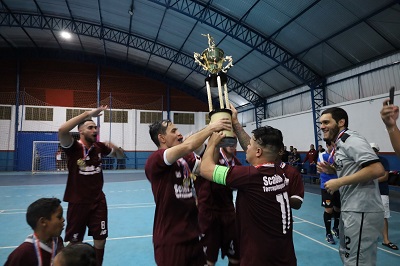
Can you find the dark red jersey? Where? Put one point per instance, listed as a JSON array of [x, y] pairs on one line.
[[175, 217], [264, 216], [85, 183]]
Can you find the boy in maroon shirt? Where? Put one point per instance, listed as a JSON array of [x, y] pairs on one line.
[[45, 217], [170, 172], [87, 206]]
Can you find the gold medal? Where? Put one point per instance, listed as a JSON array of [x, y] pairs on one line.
[[81, 163], [186, 182], [193, 176]]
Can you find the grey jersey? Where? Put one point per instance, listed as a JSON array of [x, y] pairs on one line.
[[352, 153]]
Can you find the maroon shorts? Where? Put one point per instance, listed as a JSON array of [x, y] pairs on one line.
[[221, 234], [188, 253], [92, 215]]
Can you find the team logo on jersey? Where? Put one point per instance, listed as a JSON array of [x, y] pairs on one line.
[[178, 174], [338, 165], [75, 237]]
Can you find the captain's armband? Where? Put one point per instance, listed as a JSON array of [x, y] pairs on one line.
[[219, 174]]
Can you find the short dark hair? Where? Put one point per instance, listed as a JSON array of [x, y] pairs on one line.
[[337, 114], [328, 142], [43, 207], [159, 127], [83, 122], [80, 254], [270, 136]]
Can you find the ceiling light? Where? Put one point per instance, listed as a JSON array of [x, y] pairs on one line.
[[66, 35]]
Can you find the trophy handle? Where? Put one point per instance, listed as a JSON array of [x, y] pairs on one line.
[[197, 59], [229, 65]]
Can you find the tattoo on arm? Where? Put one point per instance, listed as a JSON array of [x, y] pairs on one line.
[[243, 137]]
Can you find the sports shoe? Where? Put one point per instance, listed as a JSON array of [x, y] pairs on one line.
[[335, 232], [329, 239]]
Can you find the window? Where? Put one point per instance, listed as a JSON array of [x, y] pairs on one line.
[[5, 112], [39, 114], [184, 118], [74, 112], [150, 117], [116, 116]]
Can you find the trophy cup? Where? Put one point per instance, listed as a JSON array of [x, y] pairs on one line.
[[212, 60]]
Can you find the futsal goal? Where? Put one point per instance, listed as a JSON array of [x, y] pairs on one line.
[[47, 156]]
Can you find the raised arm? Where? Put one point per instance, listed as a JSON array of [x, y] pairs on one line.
[[243, 137], [196, 140], [208, 162], [64, 135], [389, 115]]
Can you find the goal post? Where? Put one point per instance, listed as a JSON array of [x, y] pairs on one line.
[[47, 156]]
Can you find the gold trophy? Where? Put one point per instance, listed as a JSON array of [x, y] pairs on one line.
[[212, 60]]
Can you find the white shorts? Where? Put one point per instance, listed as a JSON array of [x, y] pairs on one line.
[[385, 202]]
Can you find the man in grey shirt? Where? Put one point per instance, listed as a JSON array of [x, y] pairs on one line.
[[358, 168]]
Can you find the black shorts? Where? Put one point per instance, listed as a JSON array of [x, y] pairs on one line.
[[330, 201]]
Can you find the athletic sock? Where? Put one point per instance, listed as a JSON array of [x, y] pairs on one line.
[[327, 222], [99, 256], [336, 216]]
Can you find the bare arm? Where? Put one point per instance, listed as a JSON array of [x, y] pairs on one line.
[[389, 115], [367, 173], [208, 162], [196, 140], [117, 152], [243, 137], [384, 178], [64, 136]]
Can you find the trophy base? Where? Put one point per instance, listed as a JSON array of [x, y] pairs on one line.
[[230, 139]]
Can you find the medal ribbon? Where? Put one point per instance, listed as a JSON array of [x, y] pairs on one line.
[[331, 157], [226, 158], [38, 251], [85, 153]]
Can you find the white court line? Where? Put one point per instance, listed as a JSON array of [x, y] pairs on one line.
[[306, 221], [89, 240], [110, 207]]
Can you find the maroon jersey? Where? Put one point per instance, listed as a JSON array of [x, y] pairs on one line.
[[213, 197], [175, 217], [296, 185], [264, 216], [25, 254], [85, 183]]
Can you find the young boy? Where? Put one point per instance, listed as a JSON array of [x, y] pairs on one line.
[[81, 254], [45, 217]]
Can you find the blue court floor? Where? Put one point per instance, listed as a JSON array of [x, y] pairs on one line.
[[131, 209]]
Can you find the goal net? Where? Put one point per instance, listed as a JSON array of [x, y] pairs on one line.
[[47, 156]]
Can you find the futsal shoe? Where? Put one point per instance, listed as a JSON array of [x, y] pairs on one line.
[[329, 239], [335, 232]]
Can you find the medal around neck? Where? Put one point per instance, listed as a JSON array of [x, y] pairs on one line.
[[81, 163], [212, 60]]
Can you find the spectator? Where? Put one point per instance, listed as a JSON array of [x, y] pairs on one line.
[[357, 167], [311, 158], [45, 217], [285, 155], [296, 160], [384, 190], [389, 115]]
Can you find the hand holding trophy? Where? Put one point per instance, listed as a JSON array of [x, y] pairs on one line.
[[212, 60]]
